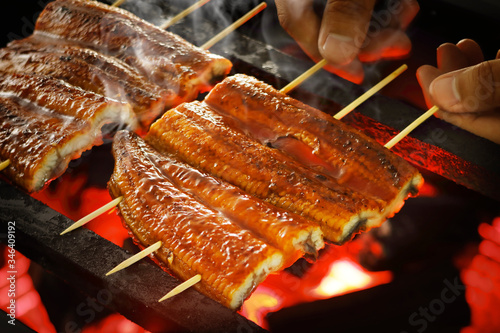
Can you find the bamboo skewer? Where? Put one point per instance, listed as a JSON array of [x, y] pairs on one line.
[[111, 205], [233, 26], [197, 278], [117, 3], [411, 127], [135, 258], [183, 14], [4, 164], [304, 76], [218, 37], [93, 215], [183, 286], [177, 17], [370, 92]]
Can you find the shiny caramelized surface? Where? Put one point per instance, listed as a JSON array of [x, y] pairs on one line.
[[334, 148], [196, 239], [200, 137], [163, 57], [55, 95], [88, 70], [29, 133], [276, 226], [44, 123]]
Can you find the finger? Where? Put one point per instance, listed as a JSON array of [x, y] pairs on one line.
[[490, 250], [353, 71], [472, 51], [484, 124], [485, 266], [410, 9], [297, 17], [388, 44], [496, 223], [425, 75], [450, 58], [472, 89], [489, 232], [343, 29]]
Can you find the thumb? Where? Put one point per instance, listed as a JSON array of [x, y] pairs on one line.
[[471, 89], [343, 29]]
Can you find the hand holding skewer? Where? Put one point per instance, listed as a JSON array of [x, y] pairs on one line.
[[197, 278], [465, 87], [341, 35]]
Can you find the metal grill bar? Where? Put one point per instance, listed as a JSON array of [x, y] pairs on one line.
[[82, 258]]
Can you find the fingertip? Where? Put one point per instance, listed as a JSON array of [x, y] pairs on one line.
[[450, 57], [422, 70], [338, 49], [426, 74], [352, 72], [443, 91], [471, 50], [343, 29], [467, 41], [389, 44]]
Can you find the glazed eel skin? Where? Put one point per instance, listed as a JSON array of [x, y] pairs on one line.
[[89, 70], [44, 123], [196, 238], [163, 57], [197, 135], [316, 139]]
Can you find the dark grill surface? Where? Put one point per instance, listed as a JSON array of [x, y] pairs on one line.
[[82, 258]]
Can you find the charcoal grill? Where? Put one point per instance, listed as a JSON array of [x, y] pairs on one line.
[[81, 258]]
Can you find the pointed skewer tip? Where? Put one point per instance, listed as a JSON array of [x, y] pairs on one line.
[[93, 215], [183, 286], [135, 258], [4, 164], [411, 127]]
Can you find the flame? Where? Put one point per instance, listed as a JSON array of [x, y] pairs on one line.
[[345, 276], [28, 306], [482, 281], [61, 198], [262, 301]]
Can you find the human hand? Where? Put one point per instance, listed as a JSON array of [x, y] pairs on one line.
[[349, 32], [482, 281], [465, 88]]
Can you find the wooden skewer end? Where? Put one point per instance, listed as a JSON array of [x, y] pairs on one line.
[[370, 92], [92, 215], [4, 164], [234, 26], [117, 3], [183, 286], [135, 258], [411, 127]]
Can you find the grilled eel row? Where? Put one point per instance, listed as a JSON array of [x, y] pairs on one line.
[[235, 153], [162, 57], [82, 53], [44, 123], [207, 226]]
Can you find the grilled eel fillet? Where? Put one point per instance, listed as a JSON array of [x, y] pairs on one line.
[[196, 239], [44, 123], [90, 71], [197, 135], [165, 58], [328, 146], [289, 232]]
